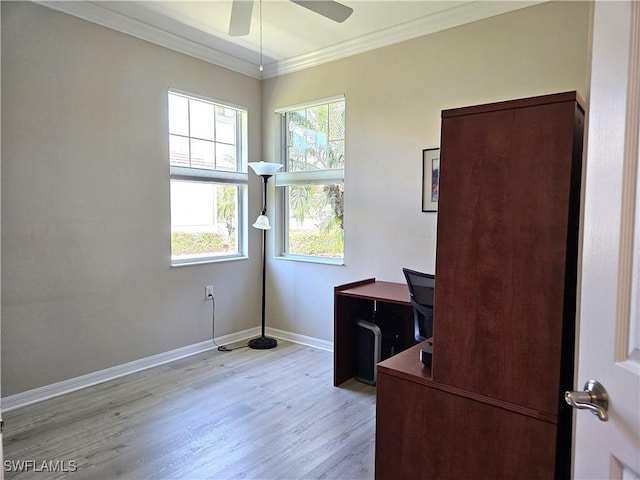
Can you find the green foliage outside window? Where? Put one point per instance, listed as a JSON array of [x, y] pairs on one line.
[[325, 244], [194, 243]]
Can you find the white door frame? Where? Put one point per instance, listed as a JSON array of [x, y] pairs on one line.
[[609, 340]]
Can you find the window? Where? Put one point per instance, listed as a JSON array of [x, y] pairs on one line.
[[313, 183], [206, 157]]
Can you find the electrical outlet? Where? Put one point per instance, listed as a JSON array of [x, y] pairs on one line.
[[208, 292]]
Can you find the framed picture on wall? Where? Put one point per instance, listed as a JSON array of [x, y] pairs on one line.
[[430, 179]]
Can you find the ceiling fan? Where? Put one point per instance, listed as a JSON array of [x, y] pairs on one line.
[[241, 13]]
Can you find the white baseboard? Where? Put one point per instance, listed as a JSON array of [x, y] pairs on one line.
[[301, 339], [67, 386], [39, 394]]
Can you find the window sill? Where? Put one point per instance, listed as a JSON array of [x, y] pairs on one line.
[[204, 261], [305, 259]]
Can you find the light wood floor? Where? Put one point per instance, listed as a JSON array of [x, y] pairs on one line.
[[250, 414]]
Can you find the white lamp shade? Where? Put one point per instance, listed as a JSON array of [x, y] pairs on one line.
[[265, 168], [262, 223]]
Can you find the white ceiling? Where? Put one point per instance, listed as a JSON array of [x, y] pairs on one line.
[[292, 36]]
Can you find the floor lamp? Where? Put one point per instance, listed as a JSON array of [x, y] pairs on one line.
[[266, 171]]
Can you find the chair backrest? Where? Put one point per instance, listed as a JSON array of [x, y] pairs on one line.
[[421, 289], [421, 286]]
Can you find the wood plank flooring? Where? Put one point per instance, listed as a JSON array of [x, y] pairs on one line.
[[245, 414]]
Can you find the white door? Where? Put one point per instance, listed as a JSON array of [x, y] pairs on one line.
[[609, 329]]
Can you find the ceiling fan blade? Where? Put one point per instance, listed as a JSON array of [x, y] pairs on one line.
[[327, 8], [240, 21]]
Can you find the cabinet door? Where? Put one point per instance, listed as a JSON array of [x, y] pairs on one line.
[[507, 251], [424, 433]]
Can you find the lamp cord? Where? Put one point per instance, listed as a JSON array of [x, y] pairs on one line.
[[221, 348]]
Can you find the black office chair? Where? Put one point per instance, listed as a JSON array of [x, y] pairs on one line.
[[421, 288]]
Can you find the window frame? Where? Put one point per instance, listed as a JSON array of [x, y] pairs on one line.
[[238, 178], [285, 179]]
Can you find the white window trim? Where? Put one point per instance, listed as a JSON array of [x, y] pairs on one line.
[[317, 177], [209, 176], [221, 177], [315, 103], [285, 179]]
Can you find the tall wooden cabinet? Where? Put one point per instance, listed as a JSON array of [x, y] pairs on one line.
[[505, 303]]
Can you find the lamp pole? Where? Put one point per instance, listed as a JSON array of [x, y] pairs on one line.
[[264, 342], [266, 171]]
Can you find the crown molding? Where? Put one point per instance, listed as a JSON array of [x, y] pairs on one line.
[[99, 15], [453, 17], [459, 15]]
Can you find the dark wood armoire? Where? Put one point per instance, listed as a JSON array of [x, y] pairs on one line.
[[491, 405]]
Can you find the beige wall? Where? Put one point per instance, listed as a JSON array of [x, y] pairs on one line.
[[394, 97], [86, 276], [86, 281]]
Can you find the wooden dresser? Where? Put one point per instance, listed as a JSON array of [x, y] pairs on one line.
[[491, 406]]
